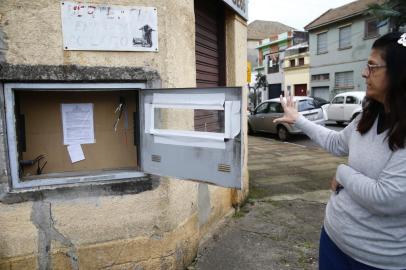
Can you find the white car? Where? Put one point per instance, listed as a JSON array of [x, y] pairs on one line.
[[344, 107]]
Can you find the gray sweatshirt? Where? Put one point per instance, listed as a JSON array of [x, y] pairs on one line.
[[367, 219]]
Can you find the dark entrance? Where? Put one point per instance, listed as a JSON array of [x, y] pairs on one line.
[[300, 89], [274, 90]]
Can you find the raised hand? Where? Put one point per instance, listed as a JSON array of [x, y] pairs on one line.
[[290, 111]]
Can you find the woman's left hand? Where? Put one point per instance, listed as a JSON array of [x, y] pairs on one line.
[[290, 113], [335, 186]]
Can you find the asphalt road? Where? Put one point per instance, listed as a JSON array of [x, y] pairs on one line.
[[279, 226], [302, 139]]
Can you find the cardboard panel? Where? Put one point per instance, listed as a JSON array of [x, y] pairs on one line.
[[43, 131]]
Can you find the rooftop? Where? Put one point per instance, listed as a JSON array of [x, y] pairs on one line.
[[259, 30], [341, 13], [298, 46]]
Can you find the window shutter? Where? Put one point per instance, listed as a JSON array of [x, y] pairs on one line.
[[344, 79], [210, 57], [345, 37], [209, 20], [322, 43]]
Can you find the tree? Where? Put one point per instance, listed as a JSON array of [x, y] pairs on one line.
[[392, 10], [261, 82]]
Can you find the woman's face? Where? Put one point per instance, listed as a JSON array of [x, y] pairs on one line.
[[376, 77]]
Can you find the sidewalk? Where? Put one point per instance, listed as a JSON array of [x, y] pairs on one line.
[[279, 226]]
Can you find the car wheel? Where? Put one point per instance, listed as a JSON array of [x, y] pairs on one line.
[[340, 122], [283, 133], [250, 130]]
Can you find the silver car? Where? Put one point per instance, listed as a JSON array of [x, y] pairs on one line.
[[261, 119]]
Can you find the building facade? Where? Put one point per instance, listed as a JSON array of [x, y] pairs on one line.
[[257, 31], [296, 68], [83, 183], [271, 54], [340, 42]]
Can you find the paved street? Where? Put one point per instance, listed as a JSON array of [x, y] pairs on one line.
[[279, 226], [302, 139]]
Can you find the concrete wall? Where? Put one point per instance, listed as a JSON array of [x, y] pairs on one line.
[[122, 226], [298, 74], [336, 60], [236, 58]]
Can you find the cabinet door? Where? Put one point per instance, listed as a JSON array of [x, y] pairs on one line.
[[177, 142]]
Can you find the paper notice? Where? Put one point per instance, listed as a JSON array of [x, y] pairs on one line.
[[75, 153], [77, 123]]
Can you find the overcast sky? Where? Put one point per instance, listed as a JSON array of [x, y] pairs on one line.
[[294, 13]]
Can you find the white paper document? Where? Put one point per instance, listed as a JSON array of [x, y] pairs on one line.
[[77, 123], [75, 153]]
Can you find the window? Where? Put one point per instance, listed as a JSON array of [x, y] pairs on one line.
[[371, 28], [344, 79], [292, 63], [301, 61], [73, 133], [262, 108], [321, 77], [303, 50], [345, 37], [204, 120], [274, 67], [275, 107], [351, 100], [322, 43], [338, 100]]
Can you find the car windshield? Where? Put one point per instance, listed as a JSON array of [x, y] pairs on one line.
[[306, 105], [319, 101]]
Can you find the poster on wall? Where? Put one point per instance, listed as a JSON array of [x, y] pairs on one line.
[[77, 123], [97, 27]]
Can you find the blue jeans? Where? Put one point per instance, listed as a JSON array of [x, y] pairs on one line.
[[332, 258]]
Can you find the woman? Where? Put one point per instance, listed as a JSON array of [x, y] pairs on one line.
[[365, 221]]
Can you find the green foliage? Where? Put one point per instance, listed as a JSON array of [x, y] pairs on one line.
[[392, 10]]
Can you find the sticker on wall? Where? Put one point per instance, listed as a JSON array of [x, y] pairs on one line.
[[108, 27]]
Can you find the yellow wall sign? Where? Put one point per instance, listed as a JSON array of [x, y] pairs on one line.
[[248, 72]]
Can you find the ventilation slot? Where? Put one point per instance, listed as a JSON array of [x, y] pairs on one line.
[[224, 168], [156, 158]]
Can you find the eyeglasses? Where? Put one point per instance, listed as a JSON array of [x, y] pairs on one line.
[[370, 68]]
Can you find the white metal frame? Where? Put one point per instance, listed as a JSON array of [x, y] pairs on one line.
[[194, 103], [10, 88]]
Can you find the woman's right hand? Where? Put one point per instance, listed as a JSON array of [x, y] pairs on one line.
[[290, 114]]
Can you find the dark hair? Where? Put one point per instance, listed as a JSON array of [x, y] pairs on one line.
[[394, 55]]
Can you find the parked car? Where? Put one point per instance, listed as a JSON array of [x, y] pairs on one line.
[[320, 101], [261, 119], [344, 107]]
